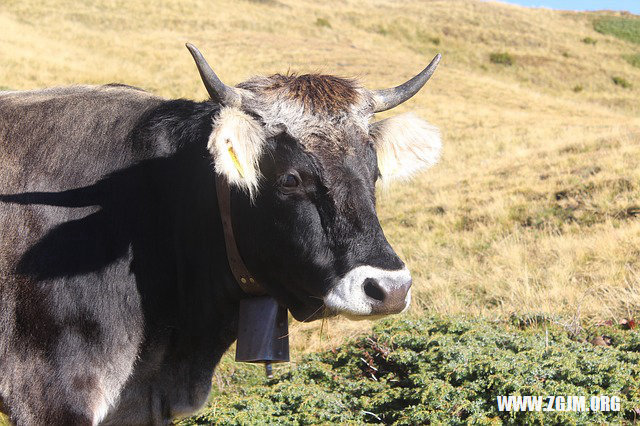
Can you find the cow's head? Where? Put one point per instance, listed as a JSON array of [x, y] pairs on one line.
[[304, 156]]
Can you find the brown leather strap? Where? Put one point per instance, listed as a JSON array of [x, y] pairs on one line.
[[247, 282]]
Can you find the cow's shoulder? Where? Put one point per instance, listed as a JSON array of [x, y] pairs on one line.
[[73, 134]]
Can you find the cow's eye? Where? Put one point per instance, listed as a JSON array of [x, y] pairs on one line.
[[290, 180]]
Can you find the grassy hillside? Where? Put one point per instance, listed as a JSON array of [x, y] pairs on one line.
[[534, 207]]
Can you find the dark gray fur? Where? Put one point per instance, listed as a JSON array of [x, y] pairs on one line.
[[97, 285]]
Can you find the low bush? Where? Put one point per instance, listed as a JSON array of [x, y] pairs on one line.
[[619, 81], [323, 22], [502, 58], [427, 37], [442, 370]]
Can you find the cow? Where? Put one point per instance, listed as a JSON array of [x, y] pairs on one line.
[[116, 296]]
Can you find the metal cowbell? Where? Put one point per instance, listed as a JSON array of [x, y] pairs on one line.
[[263, 331]]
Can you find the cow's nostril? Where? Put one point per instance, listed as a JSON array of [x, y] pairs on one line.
[[373, 289]]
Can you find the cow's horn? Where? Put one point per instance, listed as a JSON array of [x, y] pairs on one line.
[[390, 98], [218, 91]]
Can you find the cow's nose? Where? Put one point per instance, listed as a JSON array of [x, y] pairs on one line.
[[367, 290], [389, 296], [373, 290]]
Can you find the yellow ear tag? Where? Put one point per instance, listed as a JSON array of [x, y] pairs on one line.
[[234, 158]]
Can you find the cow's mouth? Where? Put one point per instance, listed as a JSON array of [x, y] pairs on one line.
[[314, 309]]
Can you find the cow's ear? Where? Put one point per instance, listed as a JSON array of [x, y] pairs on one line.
[[236, 143], [405, 145]]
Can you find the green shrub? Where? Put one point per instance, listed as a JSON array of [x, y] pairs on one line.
[[578, 88], [441, 370], [589, 40], [425, 37], [619, 81], [380, 29], [323, 22], [633, 59], [502, 58], [623, 28]]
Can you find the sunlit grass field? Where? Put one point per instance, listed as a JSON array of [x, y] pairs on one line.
[[535, 206]]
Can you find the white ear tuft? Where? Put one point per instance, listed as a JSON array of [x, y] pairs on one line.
[[236, 143], [405, 144]]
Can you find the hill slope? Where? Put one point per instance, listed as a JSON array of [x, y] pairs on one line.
[[534, 205]]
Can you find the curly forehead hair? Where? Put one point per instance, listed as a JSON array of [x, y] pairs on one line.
[[317, 92]]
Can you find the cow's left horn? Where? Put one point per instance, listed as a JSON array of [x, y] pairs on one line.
[[218, 91], [390, 98]]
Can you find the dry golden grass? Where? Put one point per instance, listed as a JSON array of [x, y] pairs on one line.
[[534, 206]]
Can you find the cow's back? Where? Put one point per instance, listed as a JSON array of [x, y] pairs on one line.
[[53, 138]]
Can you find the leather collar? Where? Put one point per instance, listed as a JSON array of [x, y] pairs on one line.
[[247, 282]]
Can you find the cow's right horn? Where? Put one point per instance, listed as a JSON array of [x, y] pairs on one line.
[[218, 91]]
